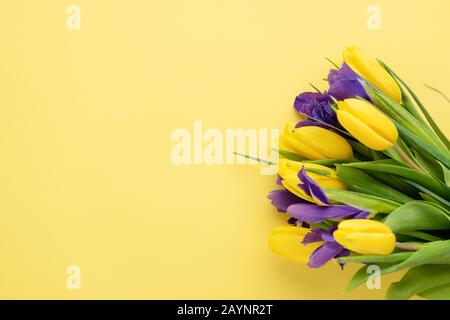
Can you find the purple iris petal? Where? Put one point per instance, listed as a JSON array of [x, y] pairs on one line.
[[316, 105], [315, 235], [344, 72], [309, 123], [282, 199], [324, 253], [361, 215], [345, 83], [313, 213], [329, 250], [278, 182], [311, 188]]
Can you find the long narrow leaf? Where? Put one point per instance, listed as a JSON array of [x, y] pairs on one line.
[[430, 120]]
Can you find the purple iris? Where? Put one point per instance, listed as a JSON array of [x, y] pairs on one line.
[[308, 212], [329, 250], [304, 213], [283, 199], [311, 188], [310, 122], [345, 83], [317, 106]]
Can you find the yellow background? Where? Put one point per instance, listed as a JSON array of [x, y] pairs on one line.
[[85, 123]]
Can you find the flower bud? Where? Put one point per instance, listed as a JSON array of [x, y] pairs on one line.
[[367, 124], [371, 70], [289, 170], [365, 236], [315, 143]]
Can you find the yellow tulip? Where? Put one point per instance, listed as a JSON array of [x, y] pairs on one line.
[[370, 69], [367, 124], [314, 143], [286, 242], [288, 171], [365, 236]]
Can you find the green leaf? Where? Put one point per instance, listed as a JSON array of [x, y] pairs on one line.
[[399, 114], [422, 179], [420, 235], [440, 154], [430, 120], [395, 182], [420, 279], [446, 173], [417, 215], [290, 155], [328, 162], [438, 91], [436, 199], [436, 293], [437, 252], [361, 150], [392, 258], [362, 182], [428, 163], [362, 276], [364, 201]]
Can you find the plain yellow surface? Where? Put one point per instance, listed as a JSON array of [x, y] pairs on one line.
[[85, 123]]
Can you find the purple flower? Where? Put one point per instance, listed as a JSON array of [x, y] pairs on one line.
[[310, 122], [329, 250], [309, 212], [311, 188], [282, 199], [316, 105], [345, 83]]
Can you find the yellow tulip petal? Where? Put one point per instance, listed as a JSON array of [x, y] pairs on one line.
[[364, 225], [371, 243], [365, 236], [362, 132], [370, 69], [371, 116], [326, 143], [301, 147], [286, 242]]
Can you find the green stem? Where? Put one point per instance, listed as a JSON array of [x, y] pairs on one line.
[[408, 246], [407, 159]]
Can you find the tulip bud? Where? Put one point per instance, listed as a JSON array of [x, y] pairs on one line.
[[367, 124], [288, 171], [286, 242], [315, 143], [365, 236], [370, 69]]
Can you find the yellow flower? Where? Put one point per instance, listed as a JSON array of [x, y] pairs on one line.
[[286, 242], [367, 124], [314, 143], [365, 236], [370, 69], [288, 171]]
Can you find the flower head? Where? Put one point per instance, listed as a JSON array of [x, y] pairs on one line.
[[329, 248], [365, 236], [308, 186], [367, 124], [345, 83], [370, 69], [314, 142], [317, 106]]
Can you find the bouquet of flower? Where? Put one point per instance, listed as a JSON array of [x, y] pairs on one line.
[[365, 178]]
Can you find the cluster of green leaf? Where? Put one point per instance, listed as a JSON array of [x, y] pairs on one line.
[[413, 203]]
